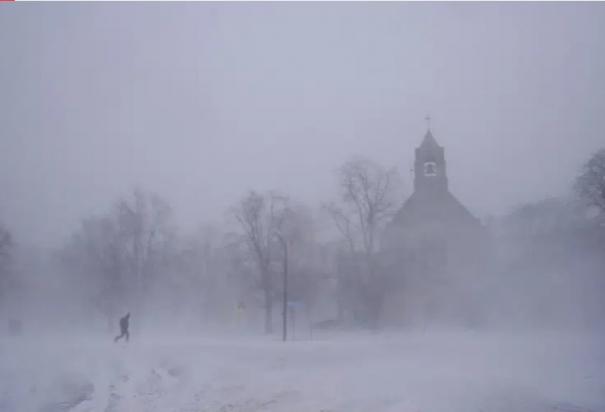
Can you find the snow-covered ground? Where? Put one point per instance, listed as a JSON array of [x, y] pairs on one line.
[[413, 372]]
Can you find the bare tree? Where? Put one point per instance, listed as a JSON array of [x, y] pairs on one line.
[[144, 225], [115, 254], [260, 217], [367, 191], [590, 185], [94, 257], [6, 247], [343, 223], [204, 263], [367, 202]]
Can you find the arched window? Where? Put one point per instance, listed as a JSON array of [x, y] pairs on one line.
[[430, 169]]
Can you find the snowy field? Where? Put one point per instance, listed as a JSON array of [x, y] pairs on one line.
[[338, 373]]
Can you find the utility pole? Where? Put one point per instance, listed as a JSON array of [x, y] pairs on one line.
[[284, 244]]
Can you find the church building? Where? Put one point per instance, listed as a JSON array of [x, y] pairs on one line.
[[434, 249]]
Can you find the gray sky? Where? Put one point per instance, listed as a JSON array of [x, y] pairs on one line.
[[201, 102]]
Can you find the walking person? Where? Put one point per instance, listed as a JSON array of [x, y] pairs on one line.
[[124, 323]]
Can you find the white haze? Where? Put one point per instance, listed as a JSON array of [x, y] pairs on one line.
[[200, 102], [187, 107]]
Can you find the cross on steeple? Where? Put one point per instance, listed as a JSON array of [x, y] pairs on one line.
[[428, 121]]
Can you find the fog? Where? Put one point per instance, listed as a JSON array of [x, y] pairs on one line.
[[425, 178], [97, 98]]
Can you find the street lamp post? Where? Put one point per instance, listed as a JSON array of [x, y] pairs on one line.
[[284, 244]]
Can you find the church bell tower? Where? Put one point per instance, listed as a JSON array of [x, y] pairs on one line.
[[429, 166]]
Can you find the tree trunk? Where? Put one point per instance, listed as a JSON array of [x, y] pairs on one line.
[[268, 312], [340, 299]]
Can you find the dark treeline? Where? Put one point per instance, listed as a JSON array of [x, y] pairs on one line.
[[547, 262]]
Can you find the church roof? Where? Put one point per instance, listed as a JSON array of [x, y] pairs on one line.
[[429, 141], [422, 207]]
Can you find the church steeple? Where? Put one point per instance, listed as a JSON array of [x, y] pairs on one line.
[[429, 165]]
